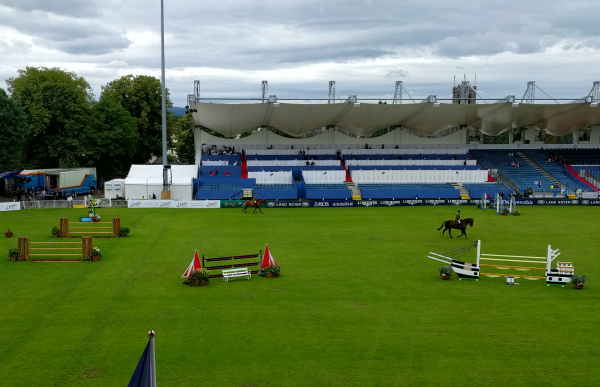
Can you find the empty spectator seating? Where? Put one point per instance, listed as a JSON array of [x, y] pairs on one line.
[[221, 188], [274, 185], [408, 191], [524, 175], [557, 171], [577, 156], [477, 190], [219, 191], [326, 184], [275, 191], [327, 191]]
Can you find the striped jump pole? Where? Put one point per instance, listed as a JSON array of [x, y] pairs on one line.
[[559, 276], [93, 229]]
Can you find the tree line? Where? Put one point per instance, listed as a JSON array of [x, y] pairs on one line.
[[49, 119]]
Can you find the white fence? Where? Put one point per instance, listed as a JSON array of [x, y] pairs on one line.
[[275, 152], [290, 163], [410, 162], [312, 177], [272, 177], [437, 151], [419, 176], [206, 163]]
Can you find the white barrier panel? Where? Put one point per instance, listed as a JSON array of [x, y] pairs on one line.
[[10, 206], [452, 151], [272, 177], [410, 162], [206, 163], [290, 151], [173, 203], [290, 163], [311, 177], [419, 176]]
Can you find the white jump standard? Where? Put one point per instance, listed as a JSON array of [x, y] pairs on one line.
[[483, 202], [560, 276], [499, 204]]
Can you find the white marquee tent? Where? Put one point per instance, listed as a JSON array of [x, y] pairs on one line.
[[145, 180]]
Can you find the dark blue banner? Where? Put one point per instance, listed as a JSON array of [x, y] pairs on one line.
[[424, 202]]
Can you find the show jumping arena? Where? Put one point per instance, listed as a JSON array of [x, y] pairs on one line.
[[355, 304]]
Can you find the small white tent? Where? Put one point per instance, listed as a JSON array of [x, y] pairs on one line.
[[145, 180], [114, 188]]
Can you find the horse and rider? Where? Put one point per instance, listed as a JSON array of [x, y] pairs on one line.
[[457, 223], [255, 202]]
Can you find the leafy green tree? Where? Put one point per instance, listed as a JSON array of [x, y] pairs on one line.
[[12, 132], [141, 96], [184, 139], [110, 140], [57, 107]]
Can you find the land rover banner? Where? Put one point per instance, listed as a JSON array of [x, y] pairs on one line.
[[288, 204], [10, 206]]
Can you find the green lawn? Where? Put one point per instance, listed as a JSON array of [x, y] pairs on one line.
[[358, 303]]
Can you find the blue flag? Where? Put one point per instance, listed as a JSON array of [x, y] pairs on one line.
[[145, 372]]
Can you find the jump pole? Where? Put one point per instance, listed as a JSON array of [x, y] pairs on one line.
[[559, 276], [483, 204]]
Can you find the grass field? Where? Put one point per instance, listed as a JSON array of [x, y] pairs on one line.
[[358, 302]]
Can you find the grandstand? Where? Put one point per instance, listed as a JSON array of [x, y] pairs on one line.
[[429, 150]]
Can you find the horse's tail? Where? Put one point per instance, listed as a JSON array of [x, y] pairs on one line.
[[443, 223]]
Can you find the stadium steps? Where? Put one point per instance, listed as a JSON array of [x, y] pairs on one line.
[[247, 193], [464, 194], [537, 167], [356, 193]]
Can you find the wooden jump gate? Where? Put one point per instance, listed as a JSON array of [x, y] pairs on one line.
[[92, 229], [236, 263], [59, 249]]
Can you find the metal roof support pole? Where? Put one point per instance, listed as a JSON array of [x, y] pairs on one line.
[[331, 98], [197, 90], [398, 93], [265, 91], [529, 95]]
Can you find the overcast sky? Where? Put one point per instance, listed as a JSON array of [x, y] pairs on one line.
[[300, 45]]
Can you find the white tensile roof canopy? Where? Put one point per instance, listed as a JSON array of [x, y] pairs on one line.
[[366, 118]]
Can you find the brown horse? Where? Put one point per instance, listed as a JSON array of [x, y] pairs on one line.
[[450, 224], [250, 203]]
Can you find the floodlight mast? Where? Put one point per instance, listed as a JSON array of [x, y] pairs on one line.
[[166, 193]]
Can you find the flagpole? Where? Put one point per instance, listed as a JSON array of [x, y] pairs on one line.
[[151, 335]]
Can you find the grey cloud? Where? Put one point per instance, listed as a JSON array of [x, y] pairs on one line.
[[397, 74], [74, 8], [74, 36], [90, 45], [14, 46], [252, 36]]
